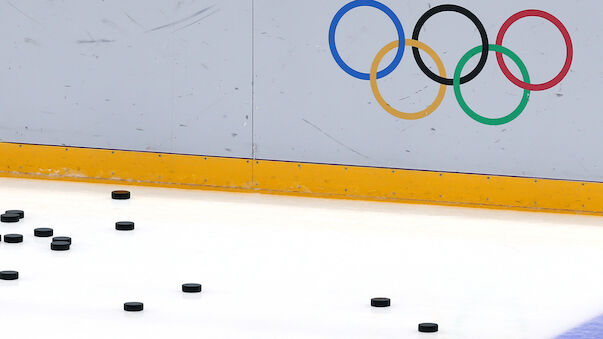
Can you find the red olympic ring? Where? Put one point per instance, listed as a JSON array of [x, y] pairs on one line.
[[568, 44]]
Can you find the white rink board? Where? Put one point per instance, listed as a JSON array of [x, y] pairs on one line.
[[285, 267], [163, 76], [309, 109], [176, 76]]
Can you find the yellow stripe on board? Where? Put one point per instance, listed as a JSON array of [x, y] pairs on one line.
[[430, 187], [97, 165], [333, 181]]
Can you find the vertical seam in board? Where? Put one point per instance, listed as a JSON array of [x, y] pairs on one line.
[[253, 155], [171, 143]]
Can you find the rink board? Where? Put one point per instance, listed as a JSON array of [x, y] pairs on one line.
[[270, 96]]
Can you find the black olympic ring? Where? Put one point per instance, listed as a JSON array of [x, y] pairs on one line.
[[482, 33]]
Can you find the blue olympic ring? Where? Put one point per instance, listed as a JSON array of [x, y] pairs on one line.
[[390, 14]]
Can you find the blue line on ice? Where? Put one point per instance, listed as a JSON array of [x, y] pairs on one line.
[[590, 329]]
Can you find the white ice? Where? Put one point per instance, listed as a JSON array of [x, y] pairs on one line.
[[288, 267]]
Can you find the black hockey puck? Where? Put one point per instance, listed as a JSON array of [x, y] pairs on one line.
[[43, 232], [120, 195], [191, 288], [60, 246], [9, 217], [124, 225], [65, 239], [380, 302], [13, 238], [428, 327], [133, 307], [18, 212], [9, 275]]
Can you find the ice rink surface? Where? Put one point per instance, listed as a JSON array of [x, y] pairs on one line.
[[288, 267]]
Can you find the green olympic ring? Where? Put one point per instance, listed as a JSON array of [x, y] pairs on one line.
[[459, 97]]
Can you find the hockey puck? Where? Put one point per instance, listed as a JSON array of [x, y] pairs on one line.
[[124, 226], [191, 288], [133, 307], [9, 217], [380, 302], [13, 238], [120, 195], [428, 327], [43, 232], [60, 246], [18, 212], [65, 239], [9, 275]]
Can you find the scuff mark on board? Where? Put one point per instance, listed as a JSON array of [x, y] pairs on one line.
[[199, 20], [23, 13], [31, 41], [335, 140], [94, 41], [134, 21], [174, 23]]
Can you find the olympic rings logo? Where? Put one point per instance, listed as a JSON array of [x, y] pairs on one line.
[[457, 80]]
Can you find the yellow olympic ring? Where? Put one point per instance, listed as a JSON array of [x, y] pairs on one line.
[[373, 77]]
